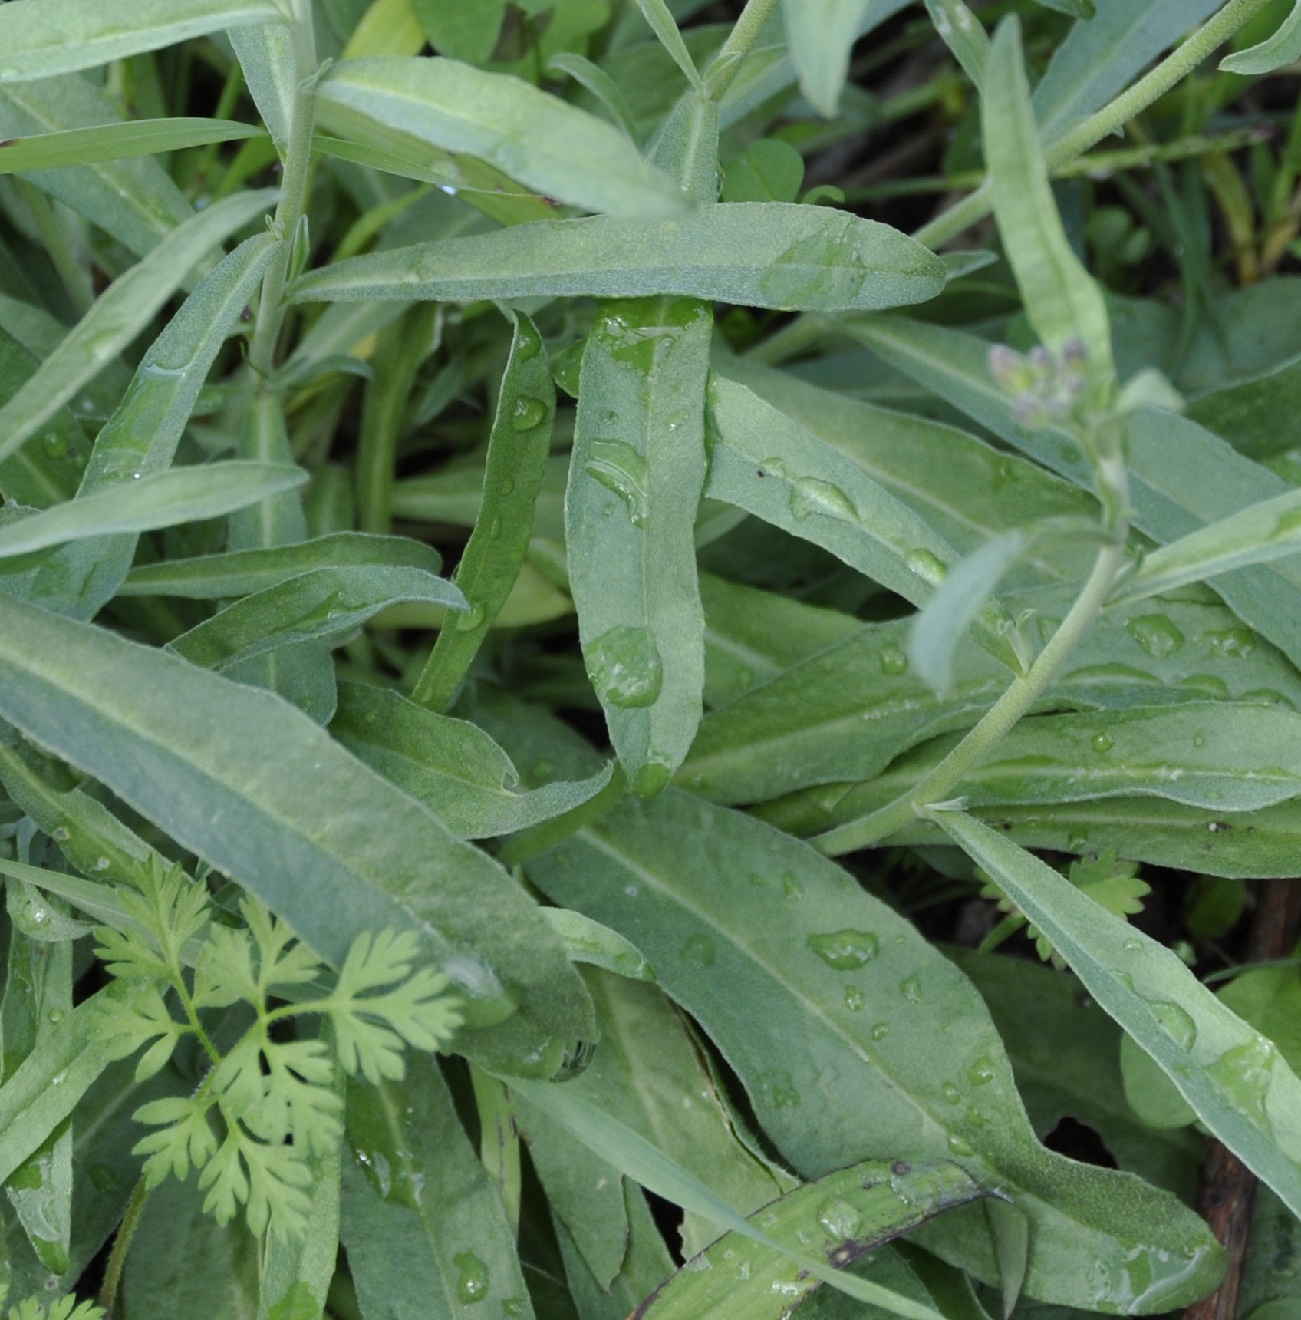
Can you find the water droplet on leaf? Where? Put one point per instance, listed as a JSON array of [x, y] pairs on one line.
[[1103, 743], [625, 667], [855, 999], [839, 1218], [893, 660], [1156, 634], [845, 950], [1176, 1022], [699, 950], [621, 469], [929, 567], [528, 413], [472, 1277], [809, 496]]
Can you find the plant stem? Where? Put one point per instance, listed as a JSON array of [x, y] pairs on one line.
[[121, 1245], [1110, 119], [296, 167], [1015, 702], [727, 63]]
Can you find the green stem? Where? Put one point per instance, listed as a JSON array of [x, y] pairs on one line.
[[296, 167], [726, 64], [1015, 702], [121, 1245], [1110, 119]]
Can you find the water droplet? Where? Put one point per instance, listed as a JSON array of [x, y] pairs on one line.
[[893, 660], [880, 1031], [911, 989], [959, 1147], [982, 1072], [631, 890], [819, 271], [855, 999], [61, 834], [1077, 843], [809, 497], [56, 1016], [472, 1277], [699, 950], [528, 343], [1103, 743], [1199, 740], [512, 1306], [792, 890], [839, 1218], [1212, 684], [651, 779], [845, 950], [625, 667], [950, 1093], [53, 445], [778, 1090], [1176, 1022], [494, 528], [1245, 1073], [468, 620], [930, 568], [528, 413], [1239, 642], [58, 1079], [620, 468], [1156, 634], [101, 864]]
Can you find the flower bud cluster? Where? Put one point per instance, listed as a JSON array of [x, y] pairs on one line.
[[1044, 386]]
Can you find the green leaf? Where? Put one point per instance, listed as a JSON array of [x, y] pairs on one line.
[[266, 58], [820, 34], [324, 842], [763, 462], [642, 1161], [45, 37], [870, 1044], [1099, 58], [964, 34], [635, 478], [141, 437], [769, 170], [1234, 1078], [138, 137], [120, 314], [450, 765], [518, 446], [319, 604], [662, 23], [856, 1210], [1063, 303], [243, 572], [463, 32], [48, 1083], [1283, 48], [1256, 535], [536, 138], [160, 499], [414, 1191], [49, 472], [759, 254]]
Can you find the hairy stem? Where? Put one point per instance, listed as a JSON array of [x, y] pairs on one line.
[[1110, 119], [740, 42], [121, 1245]]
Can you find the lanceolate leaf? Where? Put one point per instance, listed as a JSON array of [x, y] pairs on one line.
[[162, 499], [1283, 48], [325, 842], [44, 37], [120, 314], [1233, 1077], [869, 1043], [820, 34], [760, 254], [138, 137], [635, 479], [142, 435], [533, 137]]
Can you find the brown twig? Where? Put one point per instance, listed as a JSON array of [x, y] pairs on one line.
[[1228, 1191]]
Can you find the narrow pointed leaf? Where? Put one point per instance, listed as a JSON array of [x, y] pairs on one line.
[[662, 23], [758, 254], [120, 314], [325, 842], [137, 137], [543, 142], [1062, 301], [964, 35], [318, 604], [1260, 533], [1283, 48], [44, 37], [1234, 1078], [820, 34], [242, 572]]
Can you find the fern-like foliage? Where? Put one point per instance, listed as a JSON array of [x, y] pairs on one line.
[[268, 1103], [63, 1308]]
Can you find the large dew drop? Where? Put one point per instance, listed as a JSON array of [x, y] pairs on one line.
[[625, 667], [845, 950], [472, 1277]]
